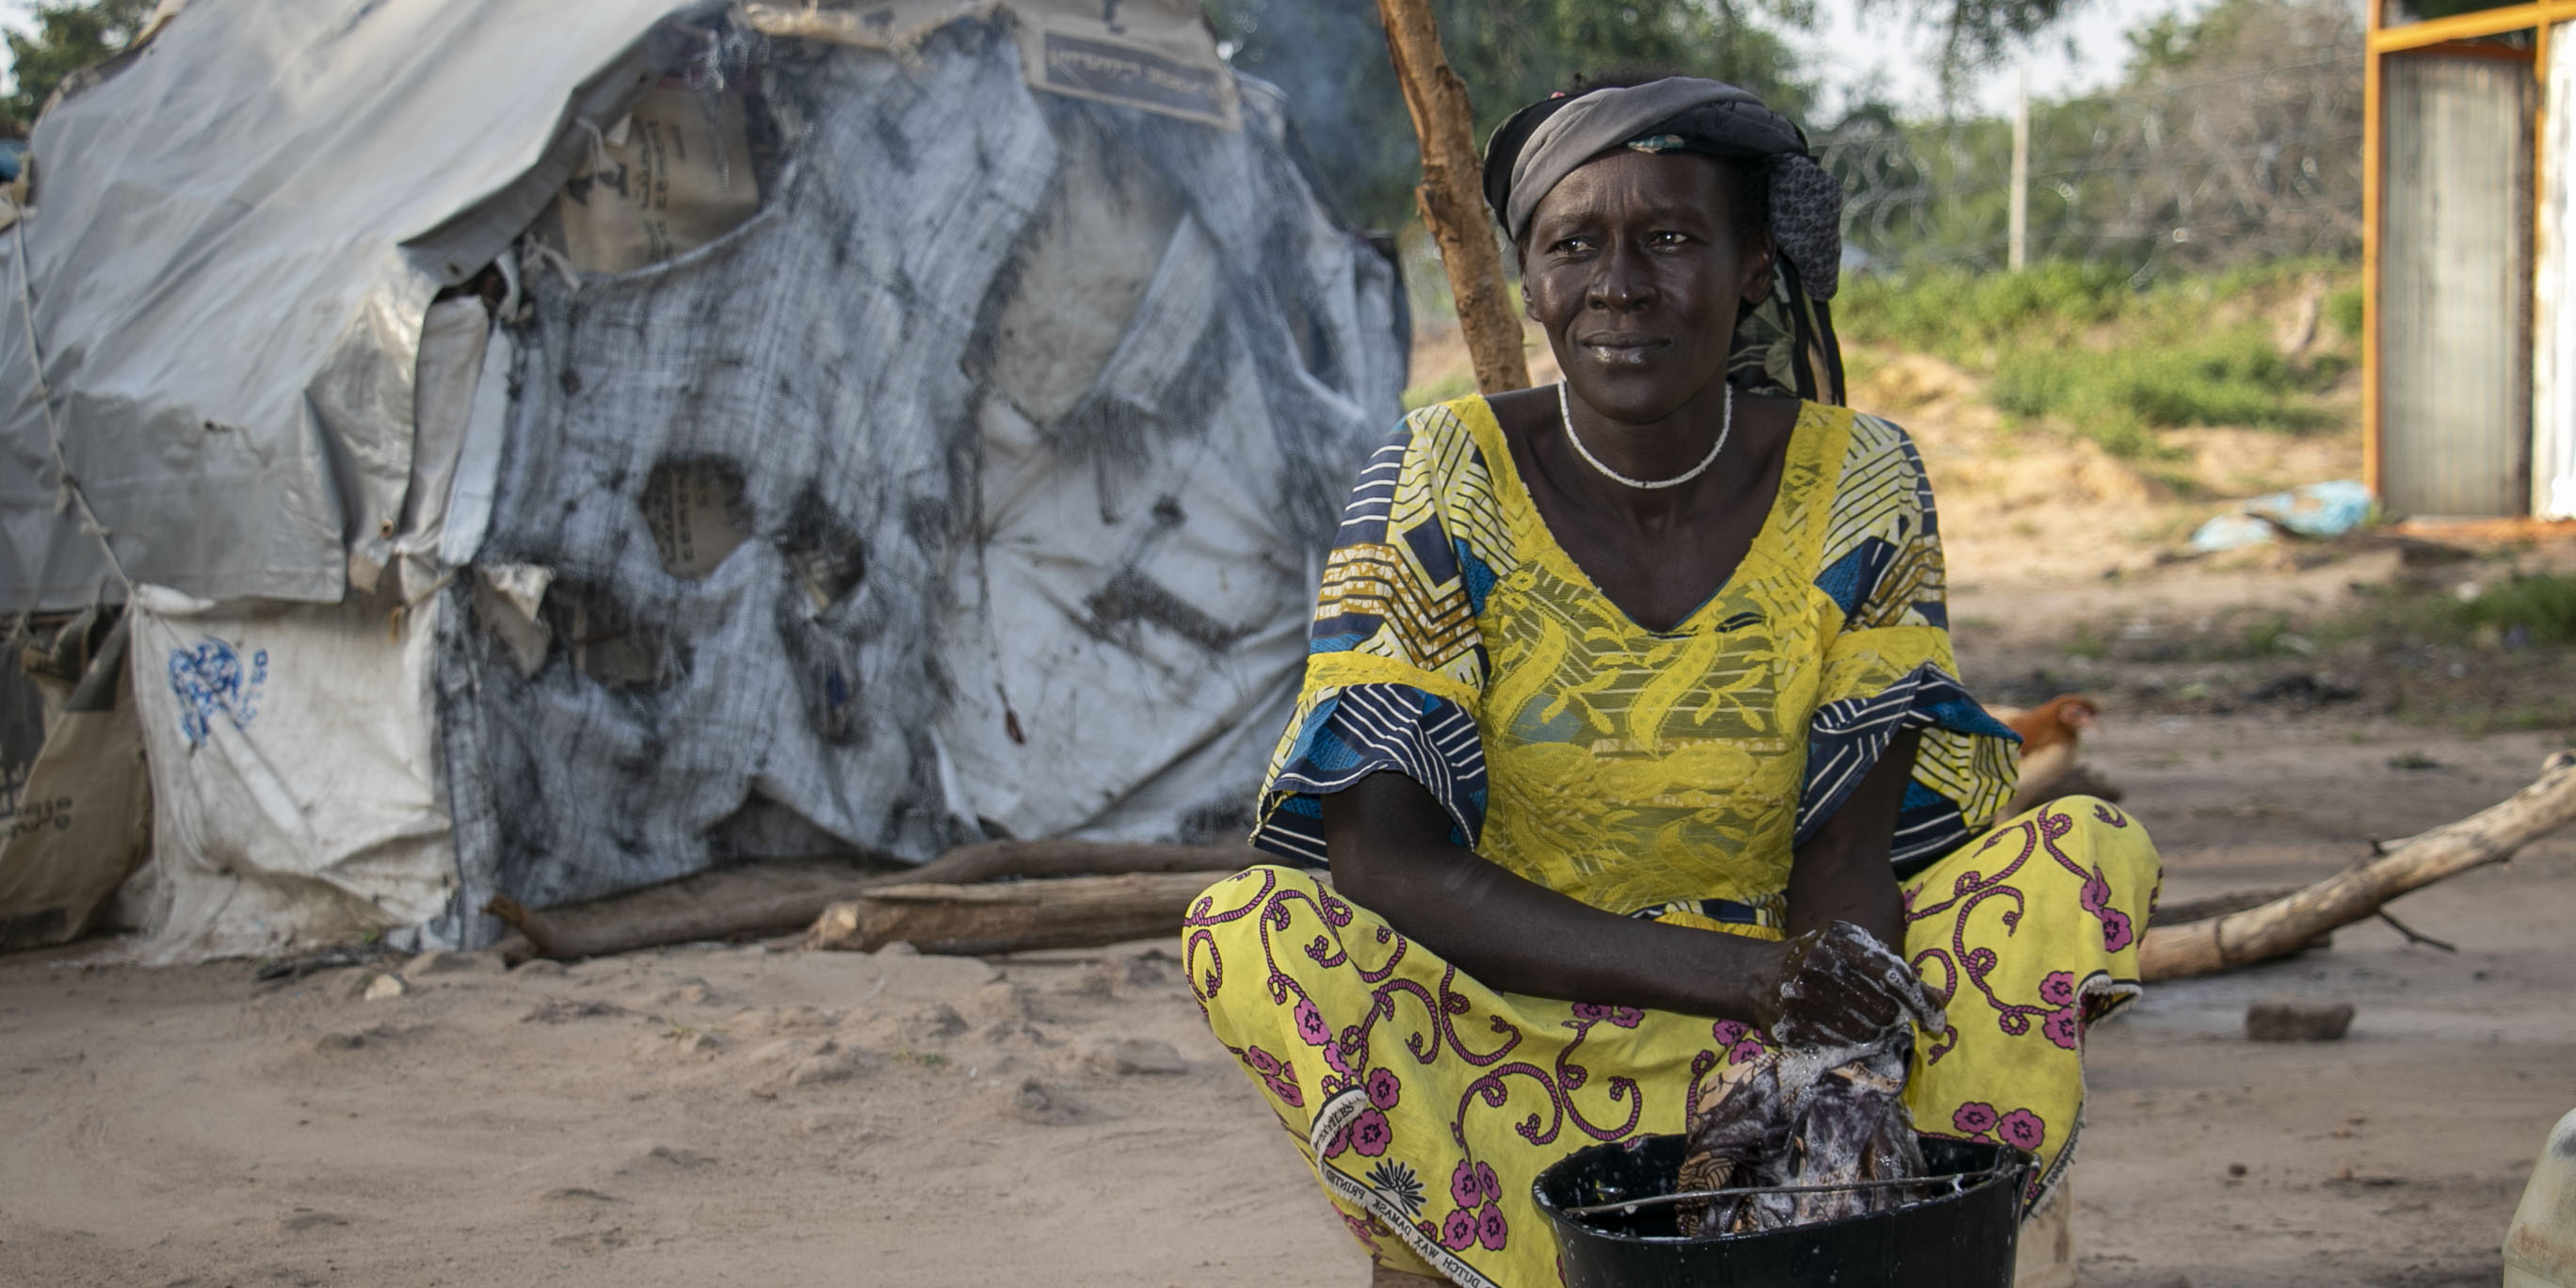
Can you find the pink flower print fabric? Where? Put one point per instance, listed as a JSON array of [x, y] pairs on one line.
[[1427, 1104]]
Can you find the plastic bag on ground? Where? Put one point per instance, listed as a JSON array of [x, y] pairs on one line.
[[2233, 532], [2328, 509]]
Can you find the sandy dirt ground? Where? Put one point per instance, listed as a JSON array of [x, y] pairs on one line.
[[761, 1115], [2395, 1156], [735, 1114]]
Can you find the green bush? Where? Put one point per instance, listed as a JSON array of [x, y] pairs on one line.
[[2114, 362], [2030, 385], [2343, 311], [2234, 377], [2544, 606], [1949, 311]]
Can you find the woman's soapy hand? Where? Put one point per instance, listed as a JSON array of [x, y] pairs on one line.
[[1841, 987]]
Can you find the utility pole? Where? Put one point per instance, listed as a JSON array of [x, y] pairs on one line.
[[2017, 251]]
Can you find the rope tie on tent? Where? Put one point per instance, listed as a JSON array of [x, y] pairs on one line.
[[538, 249], [402, 612], [598, 146], [711, 100], [67, 490]]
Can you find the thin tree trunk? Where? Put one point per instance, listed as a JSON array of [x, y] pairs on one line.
[[1452, 194]]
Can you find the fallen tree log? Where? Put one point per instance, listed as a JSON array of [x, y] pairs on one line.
[[782, 898], [730, 903], [993, 860], [2185, 911], [2285, 924], [1016, 916], [2182, 911]]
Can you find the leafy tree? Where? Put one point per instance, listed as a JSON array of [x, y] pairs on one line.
[[68, 37], [2234, 138], [1977, 33], [1331, 58]]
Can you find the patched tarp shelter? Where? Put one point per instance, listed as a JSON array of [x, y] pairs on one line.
[[548, 449]]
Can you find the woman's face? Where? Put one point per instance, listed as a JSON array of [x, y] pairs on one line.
[[1635, 269]]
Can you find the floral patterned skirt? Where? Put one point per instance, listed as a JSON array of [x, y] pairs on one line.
[[1428, 1103]]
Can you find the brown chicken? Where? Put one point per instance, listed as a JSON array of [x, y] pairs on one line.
[[2050, 734]]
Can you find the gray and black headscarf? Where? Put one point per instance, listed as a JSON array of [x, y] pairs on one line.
[[1785, 344]]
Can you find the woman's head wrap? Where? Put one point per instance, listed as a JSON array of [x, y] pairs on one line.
[[1786, 343]]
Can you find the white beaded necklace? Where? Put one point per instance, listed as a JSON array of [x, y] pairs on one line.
[[1725, 426]]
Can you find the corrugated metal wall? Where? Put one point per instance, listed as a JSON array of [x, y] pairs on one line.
[[2455, 285], [2553, 358]]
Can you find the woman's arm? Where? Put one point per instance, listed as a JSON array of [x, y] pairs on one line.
[[1390, 849], [1389, 842], [1842, 873]]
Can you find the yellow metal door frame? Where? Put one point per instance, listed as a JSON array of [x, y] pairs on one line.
[[2380, 43]]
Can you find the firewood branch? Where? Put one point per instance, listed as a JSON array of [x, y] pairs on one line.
[[2414, 936], [733, 904], [2283, 925], [1018, 916]]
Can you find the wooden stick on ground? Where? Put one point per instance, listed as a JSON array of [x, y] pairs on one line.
[[2285, 924], [596, 932], [1016, 916], [777, 899], [993, 860], [1452, 194]]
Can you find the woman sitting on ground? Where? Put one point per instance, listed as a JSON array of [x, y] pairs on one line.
[[1601, 669]]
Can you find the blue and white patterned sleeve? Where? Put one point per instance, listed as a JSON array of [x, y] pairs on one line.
[[1889, 666], [1395, 660]]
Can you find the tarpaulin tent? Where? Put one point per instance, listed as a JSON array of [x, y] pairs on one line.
[[551, 449]]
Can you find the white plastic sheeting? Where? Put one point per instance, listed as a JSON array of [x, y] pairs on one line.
[[971, 487], [294, 754], [1033, 411], [2553, 340], [235, 236]]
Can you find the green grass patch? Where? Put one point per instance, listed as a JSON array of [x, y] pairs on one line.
[[2542, 607], [1955, 313], [2113, 362], [1860, 364], [2343, 311], [2273, 637]]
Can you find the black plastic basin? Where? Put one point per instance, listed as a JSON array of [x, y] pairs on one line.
[[1961, 1239]]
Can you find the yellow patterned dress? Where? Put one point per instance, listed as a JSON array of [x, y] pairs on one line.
[[1666, 775]]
